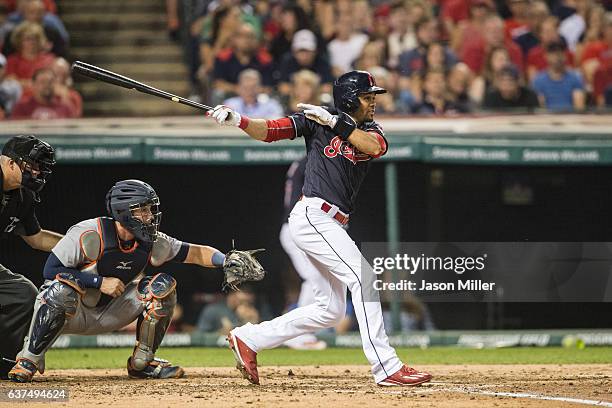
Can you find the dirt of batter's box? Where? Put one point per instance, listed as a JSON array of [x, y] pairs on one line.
[[333, 386]]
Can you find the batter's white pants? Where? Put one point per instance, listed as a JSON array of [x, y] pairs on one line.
[[339, 262], [309, 275]]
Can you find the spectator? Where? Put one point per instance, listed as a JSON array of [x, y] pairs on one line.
[[598, 53], [602, 86], [362, 16], [466, 27], [305, 89], [29, 40], [435, 100], [573, 27], [43, 103], [558, 88], [347, 46], [11, 5], [63, 86], [459, 82], [517, 24], [33, 11], [225, 23], [474, 53], [304, 56], [402, 37], [538, 12], [548, 34], [10, 91], [250, 100], [245, 53], [385, 103], [380, 25], [496, 59], [595, 25], [372, 55], [508, 94], [236, 309], [293, 19], [414, 60]]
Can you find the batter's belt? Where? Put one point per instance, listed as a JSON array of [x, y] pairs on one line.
[[330, 209]]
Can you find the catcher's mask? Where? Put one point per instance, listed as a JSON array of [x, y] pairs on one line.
[[135, 205], [34, 157]]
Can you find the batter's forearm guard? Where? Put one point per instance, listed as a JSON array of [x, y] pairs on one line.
[[345, 125]]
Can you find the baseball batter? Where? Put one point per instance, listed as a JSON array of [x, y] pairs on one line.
[[95, 284], [340, 147]]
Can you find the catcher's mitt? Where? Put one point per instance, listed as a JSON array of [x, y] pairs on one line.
[[241, 266]]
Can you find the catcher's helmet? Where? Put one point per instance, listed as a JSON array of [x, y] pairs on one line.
[[35, 157], [349, 86], [128, 201]]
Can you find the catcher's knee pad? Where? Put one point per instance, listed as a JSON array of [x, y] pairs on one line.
[[158, 293], [58, 302]]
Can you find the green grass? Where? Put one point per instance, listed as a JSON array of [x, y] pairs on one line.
[[215, 357]]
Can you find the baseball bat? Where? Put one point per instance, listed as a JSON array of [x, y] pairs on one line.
[[94, 72]]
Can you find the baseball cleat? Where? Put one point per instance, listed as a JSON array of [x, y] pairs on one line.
[[246, 359], [22, 371], [157, 368], [406, 376]]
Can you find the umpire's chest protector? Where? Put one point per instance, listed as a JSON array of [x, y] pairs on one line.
[[116, 262]]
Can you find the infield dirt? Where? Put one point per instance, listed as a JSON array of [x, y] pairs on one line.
[[332, 386]]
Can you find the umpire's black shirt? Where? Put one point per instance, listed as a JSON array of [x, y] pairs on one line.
[[335, 168], [17, 214]]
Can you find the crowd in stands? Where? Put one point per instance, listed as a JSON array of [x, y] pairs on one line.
[[434, 56], [35, 81]]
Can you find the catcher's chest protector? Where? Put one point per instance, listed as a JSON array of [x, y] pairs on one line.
[[117, 262]]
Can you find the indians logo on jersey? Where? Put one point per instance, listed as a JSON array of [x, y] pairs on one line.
[[343, 148]]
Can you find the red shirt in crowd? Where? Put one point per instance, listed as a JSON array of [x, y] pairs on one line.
[[602, 80], [597, 49], [30, 108], [536, 57], [24, 68], [513, 28], [11, 5], [475, 53], [455, 10]]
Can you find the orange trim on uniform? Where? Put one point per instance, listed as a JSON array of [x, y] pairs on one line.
[[101, 239], [127, 251], [70, 283], [83, 251]]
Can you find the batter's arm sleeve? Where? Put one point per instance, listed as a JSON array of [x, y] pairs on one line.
[[271, 130]]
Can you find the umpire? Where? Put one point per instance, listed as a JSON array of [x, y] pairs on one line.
[[25, 164]]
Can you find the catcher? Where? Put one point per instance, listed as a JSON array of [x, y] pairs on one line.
[[94, 282]]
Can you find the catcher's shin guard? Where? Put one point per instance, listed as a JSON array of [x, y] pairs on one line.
[[57, 303], [158, 293]]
